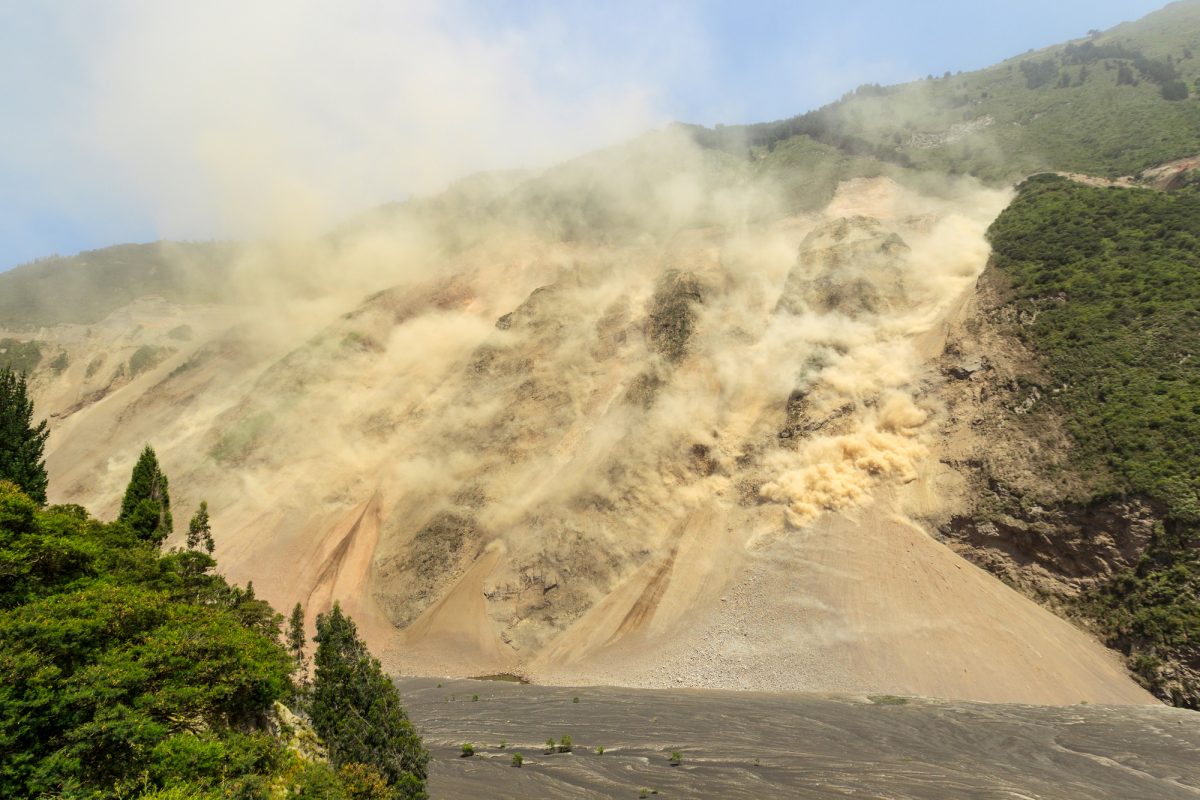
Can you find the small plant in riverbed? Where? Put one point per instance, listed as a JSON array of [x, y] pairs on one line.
[[517, 760], [643, 793], [575, 700], [474, 698], [676, 758], [468, 750], [503, 743], [564, 744], [599, 749], [550, 746]]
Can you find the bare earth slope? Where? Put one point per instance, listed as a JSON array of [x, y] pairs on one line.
[[702, 459]]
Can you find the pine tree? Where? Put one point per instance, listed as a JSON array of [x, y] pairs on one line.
[[295, 644], [21, 442], [295, 634], [147, 504], [199, 531], [356, 709]]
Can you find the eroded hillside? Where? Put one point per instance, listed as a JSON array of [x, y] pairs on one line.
[[697, 452]]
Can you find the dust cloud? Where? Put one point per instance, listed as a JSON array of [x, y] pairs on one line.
[[542, 388]]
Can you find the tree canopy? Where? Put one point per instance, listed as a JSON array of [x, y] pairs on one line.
[[146, 508], [129, 672], [21, 440], [356, 709]]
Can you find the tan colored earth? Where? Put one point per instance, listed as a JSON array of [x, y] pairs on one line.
[[706, 461]]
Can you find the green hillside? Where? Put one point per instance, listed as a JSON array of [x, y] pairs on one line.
[[1114, 278], [1111, 103], [88, 287]]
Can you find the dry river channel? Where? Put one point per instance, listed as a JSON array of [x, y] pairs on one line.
[[759, 745]]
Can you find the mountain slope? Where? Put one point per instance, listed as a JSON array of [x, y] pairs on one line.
[[1084, 106], [690, 396]]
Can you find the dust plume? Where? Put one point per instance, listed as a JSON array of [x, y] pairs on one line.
[[482, 414]]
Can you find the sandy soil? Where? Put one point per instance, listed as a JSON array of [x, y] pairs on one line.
[[504, 468]]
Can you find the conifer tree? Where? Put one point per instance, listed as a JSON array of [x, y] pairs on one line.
[[21, 441], [199, 531], [295, 634], [295, 645], [147, 504], [356, 709]]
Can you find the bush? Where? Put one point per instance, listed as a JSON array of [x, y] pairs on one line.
[[517, 759], [676, 758], [468, 750], [564, 744]]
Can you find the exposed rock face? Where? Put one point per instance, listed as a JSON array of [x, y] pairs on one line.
[[672, 317], [1023, 517], [852, 266], [559, 456]]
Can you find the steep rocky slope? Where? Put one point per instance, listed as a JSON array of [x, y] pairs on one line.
[[704, 409], [599, 461], [1071, 399]]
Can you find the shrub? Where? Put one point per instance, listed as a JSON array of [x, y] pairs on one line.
[[517, 759], [676, 758], [564, 744], [468, 750]]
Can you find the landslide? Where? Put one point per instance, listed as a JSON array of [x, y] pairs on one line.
[[686, 457], [1073, 396]]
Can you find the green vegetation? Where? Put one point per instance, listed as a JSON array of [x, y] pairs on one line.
[[60, 363], [200, 531], [128, 672], [88, 287], [1111, 275], [21, 441], [1110, 279], [241, 439], [468, 750], [888, 700], [564, 744], [19, 356], [295, 643], [517, 759], [124, 670], [146, 508], [676, 758], [356, 709], [1084, 106], [145, 358]]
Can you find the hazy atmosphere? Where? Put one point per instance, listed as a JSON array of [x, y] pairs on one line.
[[135, 121], [455, 400]]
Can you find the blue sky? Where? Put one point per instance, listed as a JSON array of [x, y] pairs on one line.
[[133, 120]]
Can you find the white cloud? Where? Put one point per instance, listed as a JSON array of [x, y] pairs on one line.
[[234, 118]]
